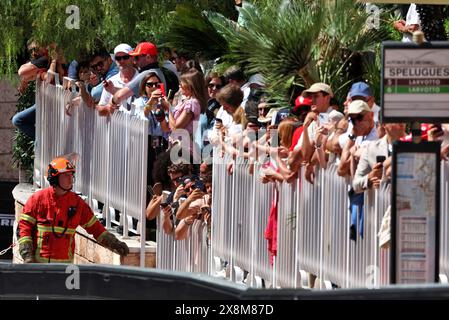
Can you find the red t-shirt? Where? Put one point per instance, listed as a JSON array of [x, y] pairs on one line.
[[296, 136]]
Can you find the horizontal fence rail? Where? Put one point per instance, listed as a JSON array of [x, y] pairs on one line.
[[190, 255], [111, 166], [312, 220], [313, 230]]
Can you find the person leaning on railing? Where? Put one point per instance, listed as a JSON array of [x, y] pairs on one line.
[[176, 173], [197, 206], [40, 67], [369, 171]]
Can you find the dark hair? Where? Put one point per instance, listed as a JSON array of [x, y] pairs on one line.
[[230, 94], [181, 53], [143, 83], [160, 172], [191, 64], [81, 65], [234, 73], [213, 75], [102, 52], [183, 168]]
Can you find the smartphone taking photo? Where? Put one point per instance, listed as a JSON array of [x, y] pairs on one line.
[[380, 159], [165, 195]]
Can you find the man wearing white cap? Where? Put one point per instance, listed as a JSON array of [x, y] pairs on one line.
[[321, 94], [363, 130], [125, 75], [256, 81]]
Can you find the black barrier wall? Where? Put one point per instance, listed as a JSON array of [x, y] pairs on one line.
[[60, 281]]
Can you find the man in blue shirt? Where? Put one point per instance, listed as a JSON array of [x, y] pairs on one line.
[[104, 67]]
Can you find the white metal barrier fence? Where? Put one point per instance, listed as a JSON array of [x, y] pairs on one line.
[[190, 255], [313, 230], [113, 154]]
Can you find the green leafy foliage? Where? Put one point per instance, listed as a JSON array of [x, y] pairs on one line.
[[23, 146], [192, 31], [103, 23]]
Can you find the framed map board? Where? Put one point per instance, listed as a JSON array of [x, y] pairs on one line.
[[415, 212]]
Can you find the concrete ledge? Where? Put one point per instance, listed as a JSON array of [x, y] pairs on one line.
[[87, 250]]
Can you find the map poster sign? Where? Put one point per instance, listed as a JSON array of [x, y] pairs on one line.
[[415, 82], [415, 211]]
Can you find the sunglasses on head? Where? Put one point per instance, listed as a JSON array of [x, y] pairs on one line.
[[152, 84], [213, 85], [358, 117], [98, 65], [119, 58]]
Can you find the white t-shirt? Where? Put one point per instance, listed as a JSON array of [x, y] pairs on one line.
[[224, 116], [118, 83], [323, 118], [412, 18], [228, 123], [343, 138]]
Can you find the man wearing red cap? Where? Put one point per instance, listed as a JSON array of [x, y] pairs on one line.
[[302, 108], [145, 57]]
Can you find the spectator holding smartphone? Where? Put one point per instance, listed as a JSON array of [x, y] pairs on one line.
[[188, 110], [151, 105], [192, 208], [127, 73], [369, 169]]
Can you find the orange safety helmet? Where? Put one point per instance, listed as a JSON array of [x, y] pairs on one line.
[[58, 166]]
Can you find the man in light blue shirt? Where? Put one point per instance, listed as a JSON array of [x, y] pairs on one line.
[[104, 67]]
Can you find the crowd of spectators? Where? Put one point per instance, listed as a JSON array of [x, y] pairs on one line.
[[230, 111]]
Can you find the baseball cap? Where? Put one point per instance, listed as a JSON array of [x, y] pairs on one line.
[[335, 116], [144, 48], [123, 47], [303, 101], [257, 79], [318, 87], [360, 89], [358, 106]]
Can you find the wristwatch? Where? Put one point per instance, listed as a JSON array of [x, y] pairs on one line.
[[352, 137]]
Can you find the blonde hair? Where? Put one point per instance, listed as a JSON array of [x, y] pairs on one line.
[[285, 130], [239, 117], [195, 81]]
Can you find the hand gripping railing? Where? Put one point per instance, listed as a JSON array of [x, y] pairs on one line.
[[312, 231]]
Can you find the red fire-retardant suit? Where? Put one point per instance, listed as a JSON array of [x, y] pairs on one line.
[[49, 222]]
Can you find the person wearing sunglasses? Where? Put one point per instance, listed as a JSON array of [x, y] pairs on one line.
[[104, 67], [363, 130], [145, 57], [37, 67], [151, 106], [126, 74]]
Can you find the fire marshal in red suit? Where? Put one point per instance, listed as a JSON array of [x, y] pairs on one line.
[[51, 216]]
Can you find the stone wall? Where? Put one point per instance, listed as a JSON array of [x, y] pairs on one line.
[[8, 101]]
